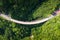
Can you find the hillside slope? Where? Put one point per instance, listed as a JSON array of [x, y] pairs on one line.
[[26, 11]]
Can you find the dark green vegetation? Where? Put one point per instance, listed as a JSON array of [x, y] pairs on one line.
[[28, 10]]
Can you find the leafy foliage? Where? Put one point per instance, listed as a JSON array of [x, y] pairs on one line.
[[48, 31], [34, 9]]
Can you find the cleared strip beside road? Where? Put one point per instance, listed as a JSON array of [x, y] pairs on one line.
[[26, 23]]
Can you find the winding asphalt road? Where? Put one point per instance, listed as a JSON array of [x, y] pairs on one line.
[[31, 22]]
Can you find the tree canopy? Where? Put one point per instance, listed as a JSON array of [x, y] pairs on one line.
[[28, 10]]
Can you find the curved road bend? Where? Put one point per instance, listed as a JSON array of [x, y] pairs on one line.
[[31, 22], [26, 23]]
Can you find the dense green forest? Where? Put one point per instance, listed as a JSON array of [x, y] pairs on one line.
[[28, 10]]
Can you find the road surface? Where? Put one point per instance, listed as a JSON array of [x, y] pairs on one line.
[[29, 22]]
